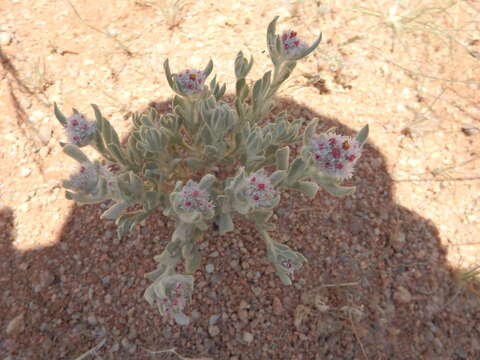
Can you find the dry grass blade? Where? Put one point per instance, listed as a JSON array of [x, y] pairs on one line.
[[468, 280], [39, 81], [411, 18], [341, 284], [174, 352], [171, 10], [357, 336], [471, 274], [93, 350], [421, 117], [124, 48], [431, 77], [439, 171]]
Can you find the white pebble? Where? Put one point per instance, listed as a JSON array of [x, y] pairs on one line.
[[5, 38], [247, 337], [25, 171]]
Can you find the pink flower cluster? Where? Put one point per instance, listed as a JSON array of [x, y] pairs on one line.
[[191, 81], [336, 154], [176, 301], [292, 45], [78, 129], [290, 267], [194, 198], [260, 191], [85, 179]]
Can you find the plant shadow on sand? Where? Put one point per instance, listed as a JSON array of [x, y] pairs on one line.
[[376, 285]]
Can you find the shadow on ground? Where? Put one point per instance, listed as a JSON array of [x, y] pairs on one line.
[[377, 285]]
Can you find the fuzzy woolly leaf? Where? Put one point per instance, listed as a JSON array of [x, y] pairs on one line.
[[331, 185], [271, 41], [114, 212], [156, 273], [181, 318], [192, 256], [208, 69], [225, 223], [207, 181], [296, 170], [309, 188], [363, 134], [282, 156], [338, 190], [310, 131], [195, 164], [312, 47], [168, 74], [75, 153], [277, 177], [59, 115], [242, 67]]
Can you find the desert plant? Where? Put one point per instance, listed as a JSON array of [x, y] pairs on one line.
[[417, 16], [171, 10], [169, 163]]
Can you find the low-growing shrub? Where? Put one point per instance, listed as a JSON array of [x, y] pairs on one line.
[[162, 163]]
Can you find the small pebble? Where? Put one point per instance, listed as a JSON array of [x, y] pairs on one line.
[[25, 171], [247, 337], [402, 295], [195, 315], [115, 347], [16, 325], [257, 291], [108, 299], [125, 343], [470, 130], [214, 318], [213, 330], [277, 306], [46, 279], [243, 305], [5, 38], [92, 320], [209, 268], [45, 134]]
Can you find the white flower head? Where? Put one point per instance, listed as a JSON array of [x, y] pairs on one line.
[[85, 179], [171, 294], [291, 267], [191, 81], [79, 129], [192, 197], [174, 300], [292, 45], [335, 154], [259, 190]]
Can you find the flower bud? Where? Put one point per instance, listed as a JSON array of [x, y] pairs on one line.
[[171, 294], [85, 179], [293, 46], [291, 267], [175, 299], [79, 130]]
